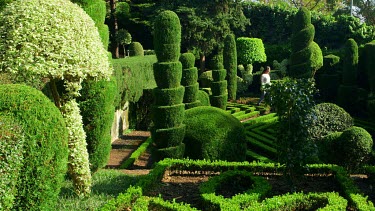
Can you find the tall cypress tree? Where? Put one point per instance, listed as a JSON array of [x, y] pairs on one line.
[[230, 64]]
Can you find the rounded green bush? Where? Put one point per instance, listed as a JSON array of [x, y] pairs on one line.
[[250, 50], [187, 60], [167, 36], [327, 147], [11, 151], [329, 118], [136, 49], [169, 96], [306, 57], [230, 64], [213, 134], [204, 98], [219, 75], [46, 38], [354, 145], [168, 74], [45, 149]]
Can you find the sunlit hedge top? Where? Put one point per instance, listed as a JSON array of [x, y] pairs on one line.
[[250, 50], [51, 38]]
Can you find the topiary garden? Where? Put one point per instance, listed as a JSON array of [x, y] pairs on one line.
[[204, 145]]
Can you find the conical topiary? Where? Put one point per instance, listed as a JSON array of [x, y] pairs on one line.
[[219, 95], [348, 90], [230, 64], [189, 80], [168, 111], [306, 57]]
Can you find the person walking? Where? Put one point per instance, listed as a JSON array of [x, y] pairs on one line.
[[264, 79]]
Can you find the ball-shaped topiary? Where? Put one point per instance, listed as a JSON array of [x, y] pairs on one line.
[[45, 149], [353, 146], [230, 64], [212, 133], [136, 49], [306, 57], [47, 38], [328, 118], [11, 151], [250, 50]]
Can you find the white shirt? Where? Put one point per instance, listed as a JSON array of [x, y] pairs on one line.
[[265, 79]]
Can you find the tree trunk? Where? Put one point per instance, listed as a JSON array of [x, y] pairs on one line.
[[114, 29], [202, 61]]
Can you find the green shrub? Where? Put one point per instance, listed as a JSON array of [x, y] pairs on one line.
[[213, 134], [97, 109], [230, 64], [187, 60], [327, 147], [189, 80], [306, 57], [11, 150], [168, 116], [168, 74], [203, 97], [369, 63], [219, 95], [205, 79], [167, 42], [330, 64], [45, 149], [354, 146], [329, 118], [136, 49], [250, 50], [169, 96]]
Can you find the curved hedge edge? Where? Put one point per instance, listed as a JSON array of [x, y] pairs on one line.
[[258, 190], [136, 154], [260, 119]]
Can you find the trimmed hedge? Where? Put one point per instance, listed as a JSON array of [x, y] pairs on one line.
[[168, 74], [45, 149], [97, 108], [204, 98], [230, 64], [136, 49], [169, 96], [306, 57], [168, 116], [219, 95], [12, 139], [250, 50], [189, 80], [213, 134]]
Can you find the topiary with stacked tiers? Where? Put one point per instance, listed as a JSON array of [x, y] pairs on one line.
[[168, 111], [189, 80], [219, 95]]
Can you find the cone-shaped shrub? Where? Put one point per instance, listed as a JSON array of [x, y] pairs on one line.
[[306, 57], [230, 64], [168, 111], [189, 80], [369, 51], [45, 151], [347, 93], [219, 95]]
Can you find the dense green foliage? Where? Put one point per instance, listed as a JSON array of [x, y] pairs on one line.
[[219, 95], [292, 99], [203, 97], [189, 80], [250, 50], [97, 109], [369, 63], [11, 150], [328, 118], [45, 150], [168, 114], [328, 78], [213, 134], [306, 57], [136, 49], [348, 93], [230, 64]]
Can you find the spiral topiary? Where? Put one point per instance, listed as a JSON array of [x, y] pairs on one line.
[[45, 151], [219, 95], [168, 114], [369, 57], [306, 57], [46, 39], [213, 134], [348, 91], [230, 64], [189, 80], [136, 49]]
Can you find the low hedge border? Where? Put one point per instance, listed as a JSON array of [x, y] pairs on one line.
[[261, 119], [252, 156], [349, 189], [136, 154], [248, 115]]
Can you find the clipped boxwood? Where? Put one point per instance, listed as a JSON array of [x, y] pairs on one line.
[[189, 76], [168, 116], [213, 134], [45, 149], [329, 118], [136, 49], [218, 87], [11, 151], [169, 96], [191, 93], [250, 50], [203, 97], [174, 135], [219, 101], [219, 75], [168, 74], [187, 60], [230, 64]]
